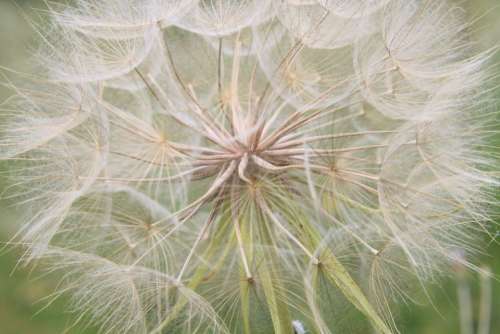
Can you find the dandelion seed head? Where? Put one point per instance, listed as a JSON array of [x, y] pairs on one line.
[[220, 166]]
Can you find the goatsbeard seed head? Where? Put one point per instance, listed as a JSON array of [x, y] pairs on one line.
[[251, 166]]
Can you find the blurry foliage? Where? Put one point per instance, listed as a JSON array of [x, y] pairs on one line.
[[23, 295]]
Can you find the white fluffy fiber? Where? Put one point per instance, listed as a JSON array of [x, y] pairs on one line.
[[201, 166]]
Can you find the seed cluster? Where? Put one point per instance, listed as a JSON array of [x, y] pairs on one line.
[[251, 166]]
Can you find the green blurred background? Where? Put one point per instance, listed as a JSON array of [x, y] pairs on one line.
[[22, 293]]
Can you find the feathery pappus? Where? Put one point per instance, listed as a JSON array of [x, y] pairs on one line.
[[251, 166]]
